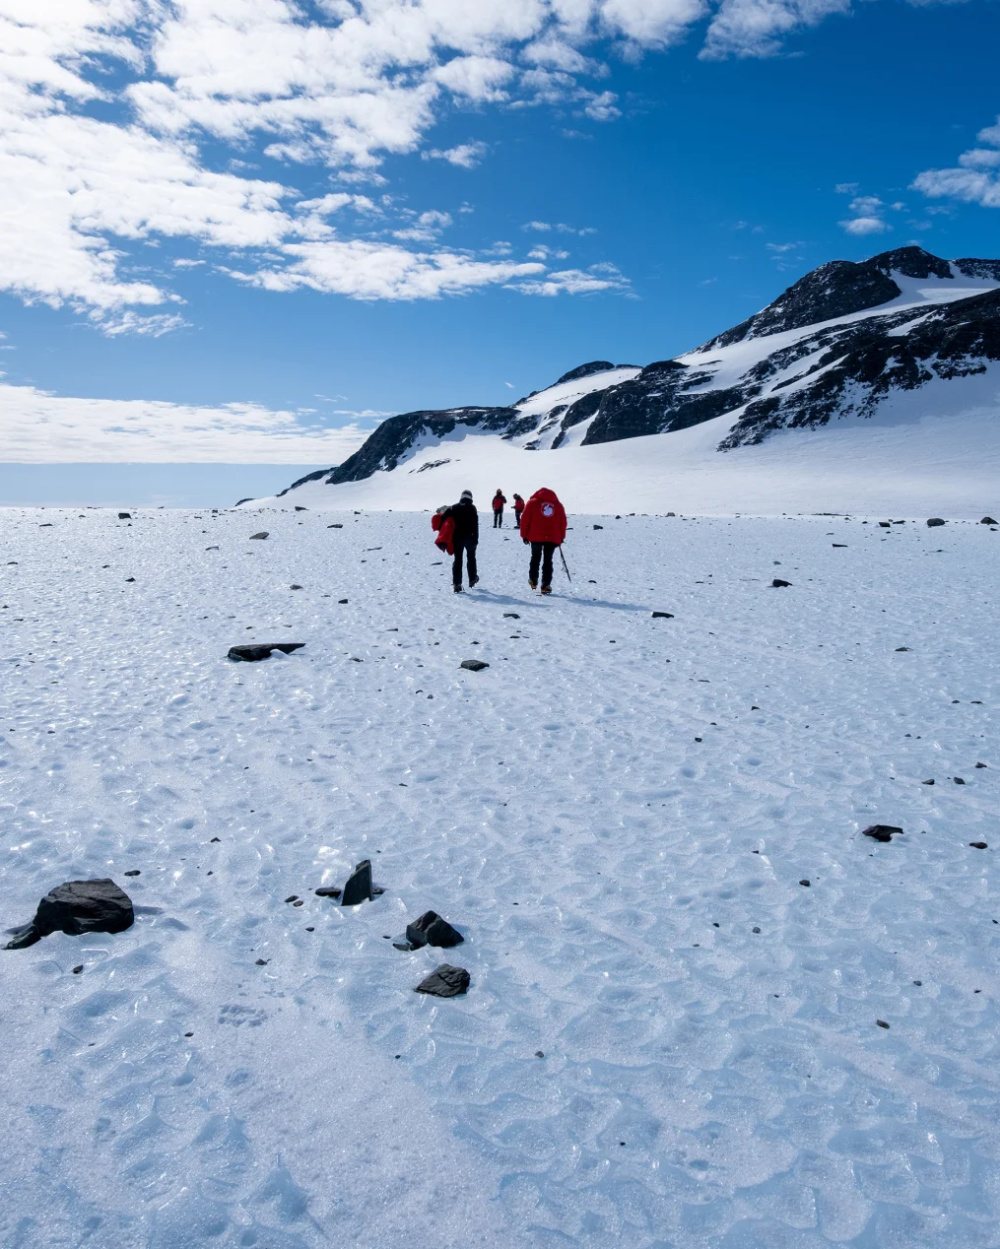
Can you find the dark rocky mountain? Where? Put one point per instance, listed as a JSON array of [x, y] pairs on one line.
[[835, 344]]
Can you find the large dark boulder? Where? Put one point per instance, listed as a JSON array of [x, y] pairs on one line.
[[431, 929], [77, 907], [359, 885]]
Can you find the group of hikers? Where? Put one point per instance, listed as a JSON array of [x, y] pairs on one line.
[[541, 522]]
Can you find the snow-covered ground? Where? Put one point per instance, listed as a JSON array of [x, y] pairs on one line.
[[670, 1039]]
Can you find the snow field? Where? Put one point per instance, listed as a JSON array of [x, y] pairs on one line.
[[586, 811]]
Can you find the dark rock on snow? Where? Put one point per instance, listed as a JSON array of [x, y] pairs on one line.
[[978, 845], [987, 520], [934, 522], [253, 651], [259, 537], [663, 615], [431, 929], [473, 665], [777, 583], [359, 885], [881, 832], [446, 981], [124, 515], [76, 907], [328, 891]]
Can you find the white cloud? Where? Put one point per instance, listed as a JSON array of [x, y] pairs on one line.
[[133, 323], [40, 428], [865, 225], [759, 27], [602, 277], [465, 155], [867, 216], [976, 179]]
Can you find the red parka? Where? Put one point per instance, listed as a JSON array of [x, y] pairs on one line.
[[444, 527], [544, 518]]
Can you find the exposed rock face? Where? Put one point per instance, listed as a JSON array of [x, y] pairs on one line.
[[431, 929], [447, 981], [253, 651], [77, 907], [835, 345]]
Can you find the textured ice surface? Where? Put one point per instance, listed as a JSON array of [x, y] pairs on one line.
[[586, 812]]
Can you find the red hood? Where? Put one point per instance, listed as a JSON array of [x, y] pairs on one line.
[[545, 495]]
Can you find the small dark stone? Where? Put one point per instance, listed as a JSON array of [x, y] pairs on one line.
[[934, 522], [918, 983], [258, 537], [901, 648], [884, 524], [958, 780], [511, 615], [263, 962], [446, 981], [598, 526], [295, 587], [473, 665], [298, 902], [328, 891], [539, 1053], [980, 765], [335, 526], [359, 885], [755, 930], [77, 969], [881, 1023], [134, 872], [987, 520], [926, 782], [189, 1034], [342, 600], [805, 882], [124, 515], [663, 615], [292, 897], [130, 578], [215, 839], [431, 929], [77, 907], [838, 544], [978, 845], [254, 651], [300, 508], [880, 832], [777, 583]]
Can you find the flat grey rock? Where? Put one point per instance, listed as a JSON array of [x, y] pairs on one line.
[[259, 537], [881, 832], [251, 652], [473, 665], [446, 981]]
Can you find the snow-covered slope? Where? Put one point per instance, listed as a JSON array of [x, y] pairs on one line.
[[647, 829], [893, 365]]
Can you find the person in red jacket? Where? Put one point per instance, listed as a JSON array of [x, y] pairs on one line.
[[543, 525], [518, 509], [499, 499]]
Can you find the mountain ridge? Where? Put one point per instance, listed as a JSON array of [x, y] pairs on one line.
[[835, 344]]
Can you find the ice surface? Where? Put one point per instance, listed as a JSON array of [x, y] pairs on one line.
[[586, 811]]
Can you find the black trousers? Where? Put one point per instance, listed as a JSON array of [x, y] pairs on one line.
[[498, 518], [463, 544], [541, 553]]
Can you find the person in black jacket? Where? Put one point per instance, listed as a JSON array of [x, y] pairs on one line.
[[465, 538]]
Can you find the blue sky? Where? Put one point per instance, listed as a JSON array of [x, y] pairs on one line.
[[233, 230]]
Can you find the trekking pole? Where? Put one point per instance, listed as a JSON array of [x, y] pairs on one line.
[[565, 568]]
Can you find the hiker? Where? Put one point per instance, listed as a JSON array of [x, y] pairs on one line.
[[444, 526], [464, 537], [543, 525], [518, 509], [499, 499]]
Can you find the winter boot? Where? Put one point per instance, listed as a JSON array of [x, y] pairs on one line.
[[546, 589], [533, 584], [457, 589]]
